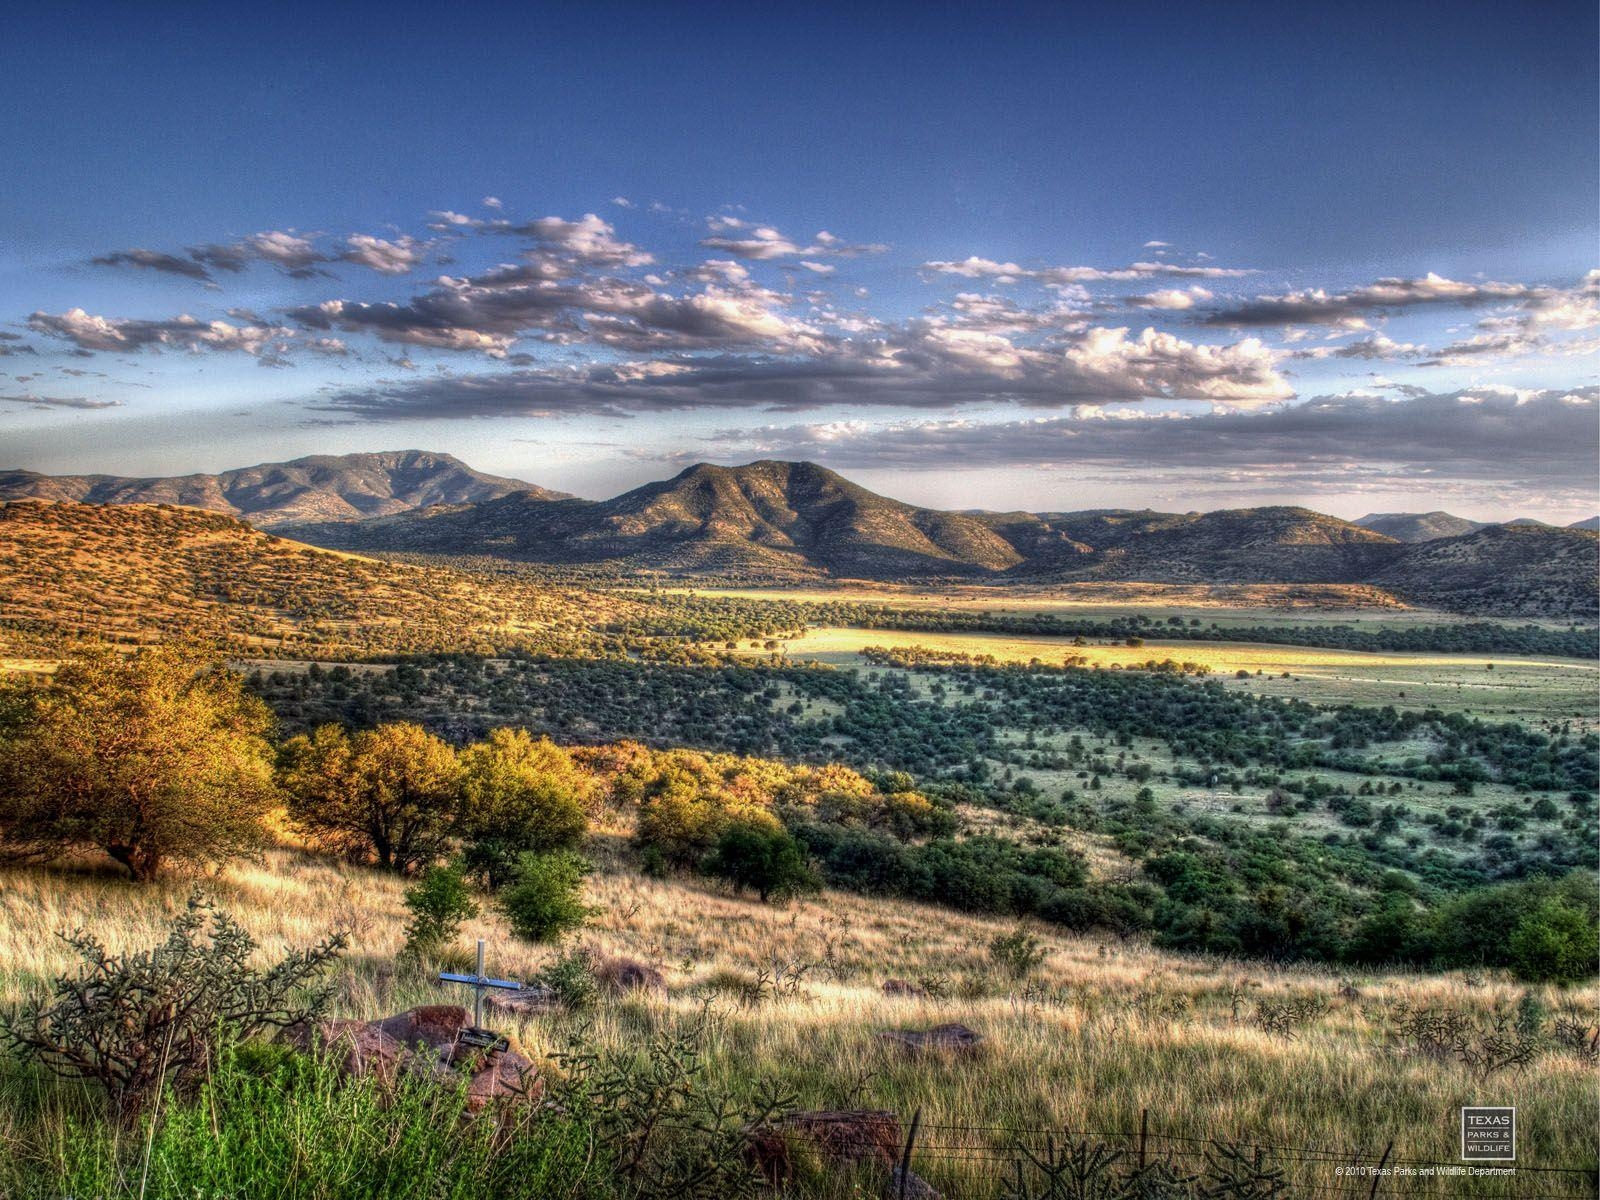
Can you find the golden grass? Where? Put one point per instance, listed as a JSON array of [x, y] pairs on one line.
[[1518, 688], [1089, 1050]]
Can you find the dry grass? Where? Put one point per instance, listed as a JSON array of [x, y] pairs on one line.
[[1108, 1030], [1525, 689]]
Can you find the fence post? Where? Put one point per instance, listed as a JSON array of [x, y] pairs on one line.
[[905, 1157], [1377, 1175], [1144, 1133]]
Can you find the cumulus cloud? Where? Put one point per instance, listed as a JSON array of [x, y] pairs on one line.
[[1172, 298], [90, 332], [395, 257], [1317, 306], [926, 364], [1537, 437], [742, 239]]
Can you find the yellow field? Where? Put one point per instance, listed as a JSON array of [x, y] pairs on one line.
[[1112, 1028], [1233, 604], [1527, 689]]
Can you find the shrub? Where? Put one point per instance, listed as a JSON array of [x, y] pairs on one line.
[[132, 1022], [544, 899], [769, 861], [572, 977], [669, 1127], [1018, 953], [291, 1125], [439, 902], [150, 758]]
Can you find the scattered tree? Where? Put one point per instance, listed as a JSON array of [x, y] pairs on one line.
[[519, 793], [387, 795], [155, 757]]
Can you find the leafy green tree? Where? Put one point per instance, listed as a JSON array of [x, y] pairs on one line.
[[519, 793], [387, 795], [768, 861], [155, 757], [1554, 943], [545, 897]]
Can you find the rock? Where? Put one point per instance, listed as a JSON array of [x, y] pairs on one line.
[[915, 1187], [953, 1038], [432, 1027], [503, 1075], [530, 1001], [627, 975], [870, 1135], [866, 1138], [901, 987], [422, 1042]]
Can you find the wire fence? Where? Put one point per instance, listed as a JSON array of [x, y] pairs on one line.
[[1003, 1153]]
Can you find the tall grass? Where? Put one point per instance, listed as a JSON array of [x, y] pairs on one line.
[[270, 1123], [1104, 1031]]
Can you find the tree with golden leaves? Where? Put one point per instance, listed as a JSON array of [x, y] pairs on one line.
[[388, 795], [152, 758]]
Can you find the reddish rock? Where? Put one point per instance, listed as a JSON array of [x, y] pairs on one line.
[[627, 975], [865, 1138], [422, 1042]]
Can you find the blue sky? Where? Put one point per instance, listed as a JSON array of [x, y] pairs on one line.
[[1059, 256]]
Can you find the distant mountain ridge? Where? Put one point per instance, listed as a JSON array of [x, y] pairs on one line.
[[319, 488], [793, 522], [1418, 527]]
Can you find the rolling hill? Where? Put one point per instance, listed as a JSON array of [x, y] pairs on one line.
[[1521, 569], [790, 522], [1418, 527], [138, 573], [346, 487]]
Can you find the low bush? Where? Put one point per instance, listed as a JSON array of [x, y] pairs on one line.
[[132, 1022]]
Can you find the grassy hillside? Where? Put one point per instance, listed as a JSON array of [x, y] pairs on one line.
[[138, 573], [1104, 1031]]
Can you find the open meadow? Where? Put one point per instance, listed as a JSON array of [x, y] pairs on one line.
[[1501, 688]]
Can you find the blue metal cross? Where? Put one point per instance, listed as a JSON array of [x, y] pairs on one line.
[[480, 983]]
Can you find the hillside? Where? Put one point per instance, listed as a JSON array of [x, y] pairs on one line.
[[345, 487], [1247, 545], [1418, 527], [136, 573], [774, 519], [1522, 569]]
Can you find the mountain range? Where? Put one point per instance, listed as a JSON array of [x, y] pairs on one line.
[[796, 521], [345, 487]]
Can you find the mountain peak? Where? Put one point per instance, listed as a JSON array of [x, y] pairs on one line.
[[315, 488]]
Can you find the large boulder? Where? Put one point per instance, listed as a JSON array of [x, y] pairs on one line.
[[423, 1041]]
